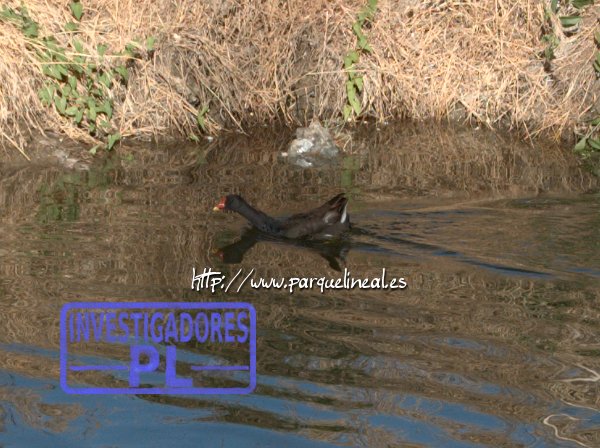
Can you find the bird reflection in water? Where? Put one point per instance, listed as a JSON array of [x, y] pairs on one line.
[[332, 250]]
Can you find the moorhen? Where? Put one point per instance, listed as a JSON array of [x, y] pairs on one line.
[[328, 220]]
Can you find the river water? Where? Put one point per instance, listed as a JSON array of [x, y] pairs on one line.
[[494, 342]]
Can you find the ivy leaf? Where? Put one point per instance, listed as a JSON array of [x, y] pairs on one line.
[[122, 70], [31, 30], [107, 109], [112, 139], [71, 27], [352, 99], [596, 65], [581, 3], [9, 14], [101, 48], [62, 70], [77, 65], [356, 106], [357, 30], [350, 90], [61, 104], [91, 113], [150, 43], [595, 144], [52, 71], [581, 144], [347, 111], [200, 118], [569, 21], [78, 45], [130, 49], [45, 96], [359, 83], [105, 80], [72, 82], [71, 111], [350, 59], [364, 45], [76, 10]]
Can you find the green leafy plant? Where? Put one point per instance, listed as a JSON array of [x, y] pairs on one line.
[[200, 118], [355, 81], [569, 22], [79, 85], [22, 20], [588, 144], [596, 63], [588, 141], [549, 37]]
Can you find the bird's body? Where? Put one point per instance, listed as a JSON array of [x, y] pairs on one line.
[[328, 220]]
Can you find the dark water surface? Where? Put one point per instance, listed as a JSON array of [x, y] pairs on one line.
[[495, 342]]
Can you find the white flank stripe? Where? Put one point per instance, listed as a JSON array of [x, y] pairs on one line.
[[344, 214]]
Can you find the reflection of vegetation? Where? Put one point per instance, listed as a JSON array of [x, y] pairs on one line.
[[59, 201], [350, 166]]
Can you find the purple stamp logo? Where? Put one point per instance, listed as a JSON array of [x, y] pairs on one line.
[[158, 348]]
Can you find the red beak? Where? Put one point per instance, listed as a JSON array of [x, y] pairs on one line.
[[220, 206]]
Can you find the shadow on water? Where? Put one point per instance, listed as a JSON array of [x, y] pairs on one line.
[[493, 343]]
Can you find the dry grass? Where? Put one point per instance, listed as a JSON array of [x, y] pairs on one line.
[[270, 60]]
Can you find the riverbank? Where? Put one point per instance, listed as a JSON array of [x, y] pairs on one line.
[[203, 67]]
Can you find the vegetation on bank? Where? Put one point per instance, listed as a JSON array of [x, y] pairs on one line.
[[564, 21], [77, 85], [355, 82], [101, 70]]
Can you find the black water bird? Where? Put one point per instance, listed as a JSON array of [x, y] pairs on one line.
[[329, 220]]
